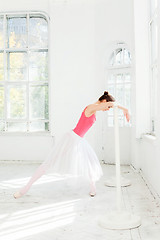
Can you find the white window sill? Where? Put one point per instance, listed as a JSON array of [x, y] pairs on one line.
[[26, 134], [149, 138]]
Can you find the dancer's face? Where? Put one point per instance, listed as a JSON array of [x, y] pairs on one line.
[[108, 105]]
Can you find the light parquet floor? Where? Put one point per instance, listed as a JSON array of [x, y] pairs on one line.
[[58, 208]]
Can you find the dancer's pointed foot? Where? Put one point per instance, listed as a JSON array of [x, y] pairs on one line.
[[17, 195], [92, 189], [92, 194]]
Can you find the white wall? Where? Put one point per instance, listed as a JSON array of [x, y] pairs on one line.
[[72, 72], [145, 149], [20, 147], [113, 23], [141, 87], [149, 155], [81, 33]]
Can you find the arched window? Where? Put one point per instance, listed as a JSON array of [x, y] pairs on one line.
[[119, 81], [24, 104]]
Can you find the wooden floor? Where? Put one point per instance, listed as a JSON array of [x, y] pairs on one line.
[[57, 208]]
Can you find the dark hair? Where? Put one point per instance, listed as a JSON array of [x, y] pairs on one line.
[[106, 96]]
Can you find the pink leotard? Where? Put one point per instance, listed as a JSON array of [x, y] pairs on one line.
[[84, 124]]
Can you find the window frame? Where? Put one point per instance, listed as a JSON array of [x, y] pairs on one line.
[[5, 83], [119, 69]]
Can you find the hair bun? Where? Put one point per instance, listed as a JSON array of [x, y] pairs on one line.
[[105, 93]]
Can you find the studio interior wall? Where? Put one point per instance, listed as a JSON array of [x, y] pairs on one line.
[[81, 33], [145, 148], [113, 24], [15, 146]]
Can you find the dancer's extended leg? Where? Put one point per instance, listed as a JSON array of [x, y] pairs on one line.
[[93, 188], [38, 173]]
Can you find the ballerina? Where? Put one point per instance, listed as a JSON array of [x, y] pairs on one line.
[[73, 155]]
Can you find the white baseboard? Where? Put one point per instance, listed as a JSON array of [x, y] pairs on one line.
[[150, 187], [20, 162]]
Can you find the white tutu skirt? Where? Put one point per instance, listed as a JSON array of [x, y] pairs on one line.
[[74, 156]]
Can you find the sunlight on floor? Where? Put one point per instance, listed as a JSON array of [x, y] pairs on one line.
[[36, 220], [20, 182], [61, 208]]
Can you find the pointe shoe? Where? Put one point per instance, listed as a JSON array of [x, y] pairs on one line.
[[92, 194], [17, 195]]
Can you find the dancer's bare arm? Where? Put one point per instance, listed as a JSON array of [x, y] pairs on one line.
[[125, 112], [93, 108]]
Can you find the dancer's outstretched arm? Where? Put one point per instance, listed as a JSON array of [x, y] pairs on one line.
[[104, 106], [125, 112], [98, 106]]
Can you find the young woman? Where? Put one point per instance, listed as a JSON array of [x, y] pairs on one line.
[[73, 155]]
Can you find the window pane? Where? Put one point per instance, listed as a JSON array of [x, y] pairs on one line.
[[38, 32], [17, 66], [127, 57], [17, 34], [111, 62], [2, 126], [17, 102], [17, 127], [39, 126], [38, 66], [39, 102], [1, 34], [127, 78], [128, 96], [119, 78], [119, 93], [111, 90], [119, 57], [1, 67], [1, 102]]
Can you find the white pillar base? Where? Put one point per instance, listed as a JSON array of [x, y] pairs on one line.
[[120, 221], [112, 182]]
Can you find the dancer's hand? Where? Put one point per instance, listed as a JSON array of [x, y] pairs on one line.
[[126, 114]]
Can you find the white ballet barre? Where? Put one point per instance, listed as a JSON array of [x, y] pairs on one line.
[[119, 219], [111, 182]]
